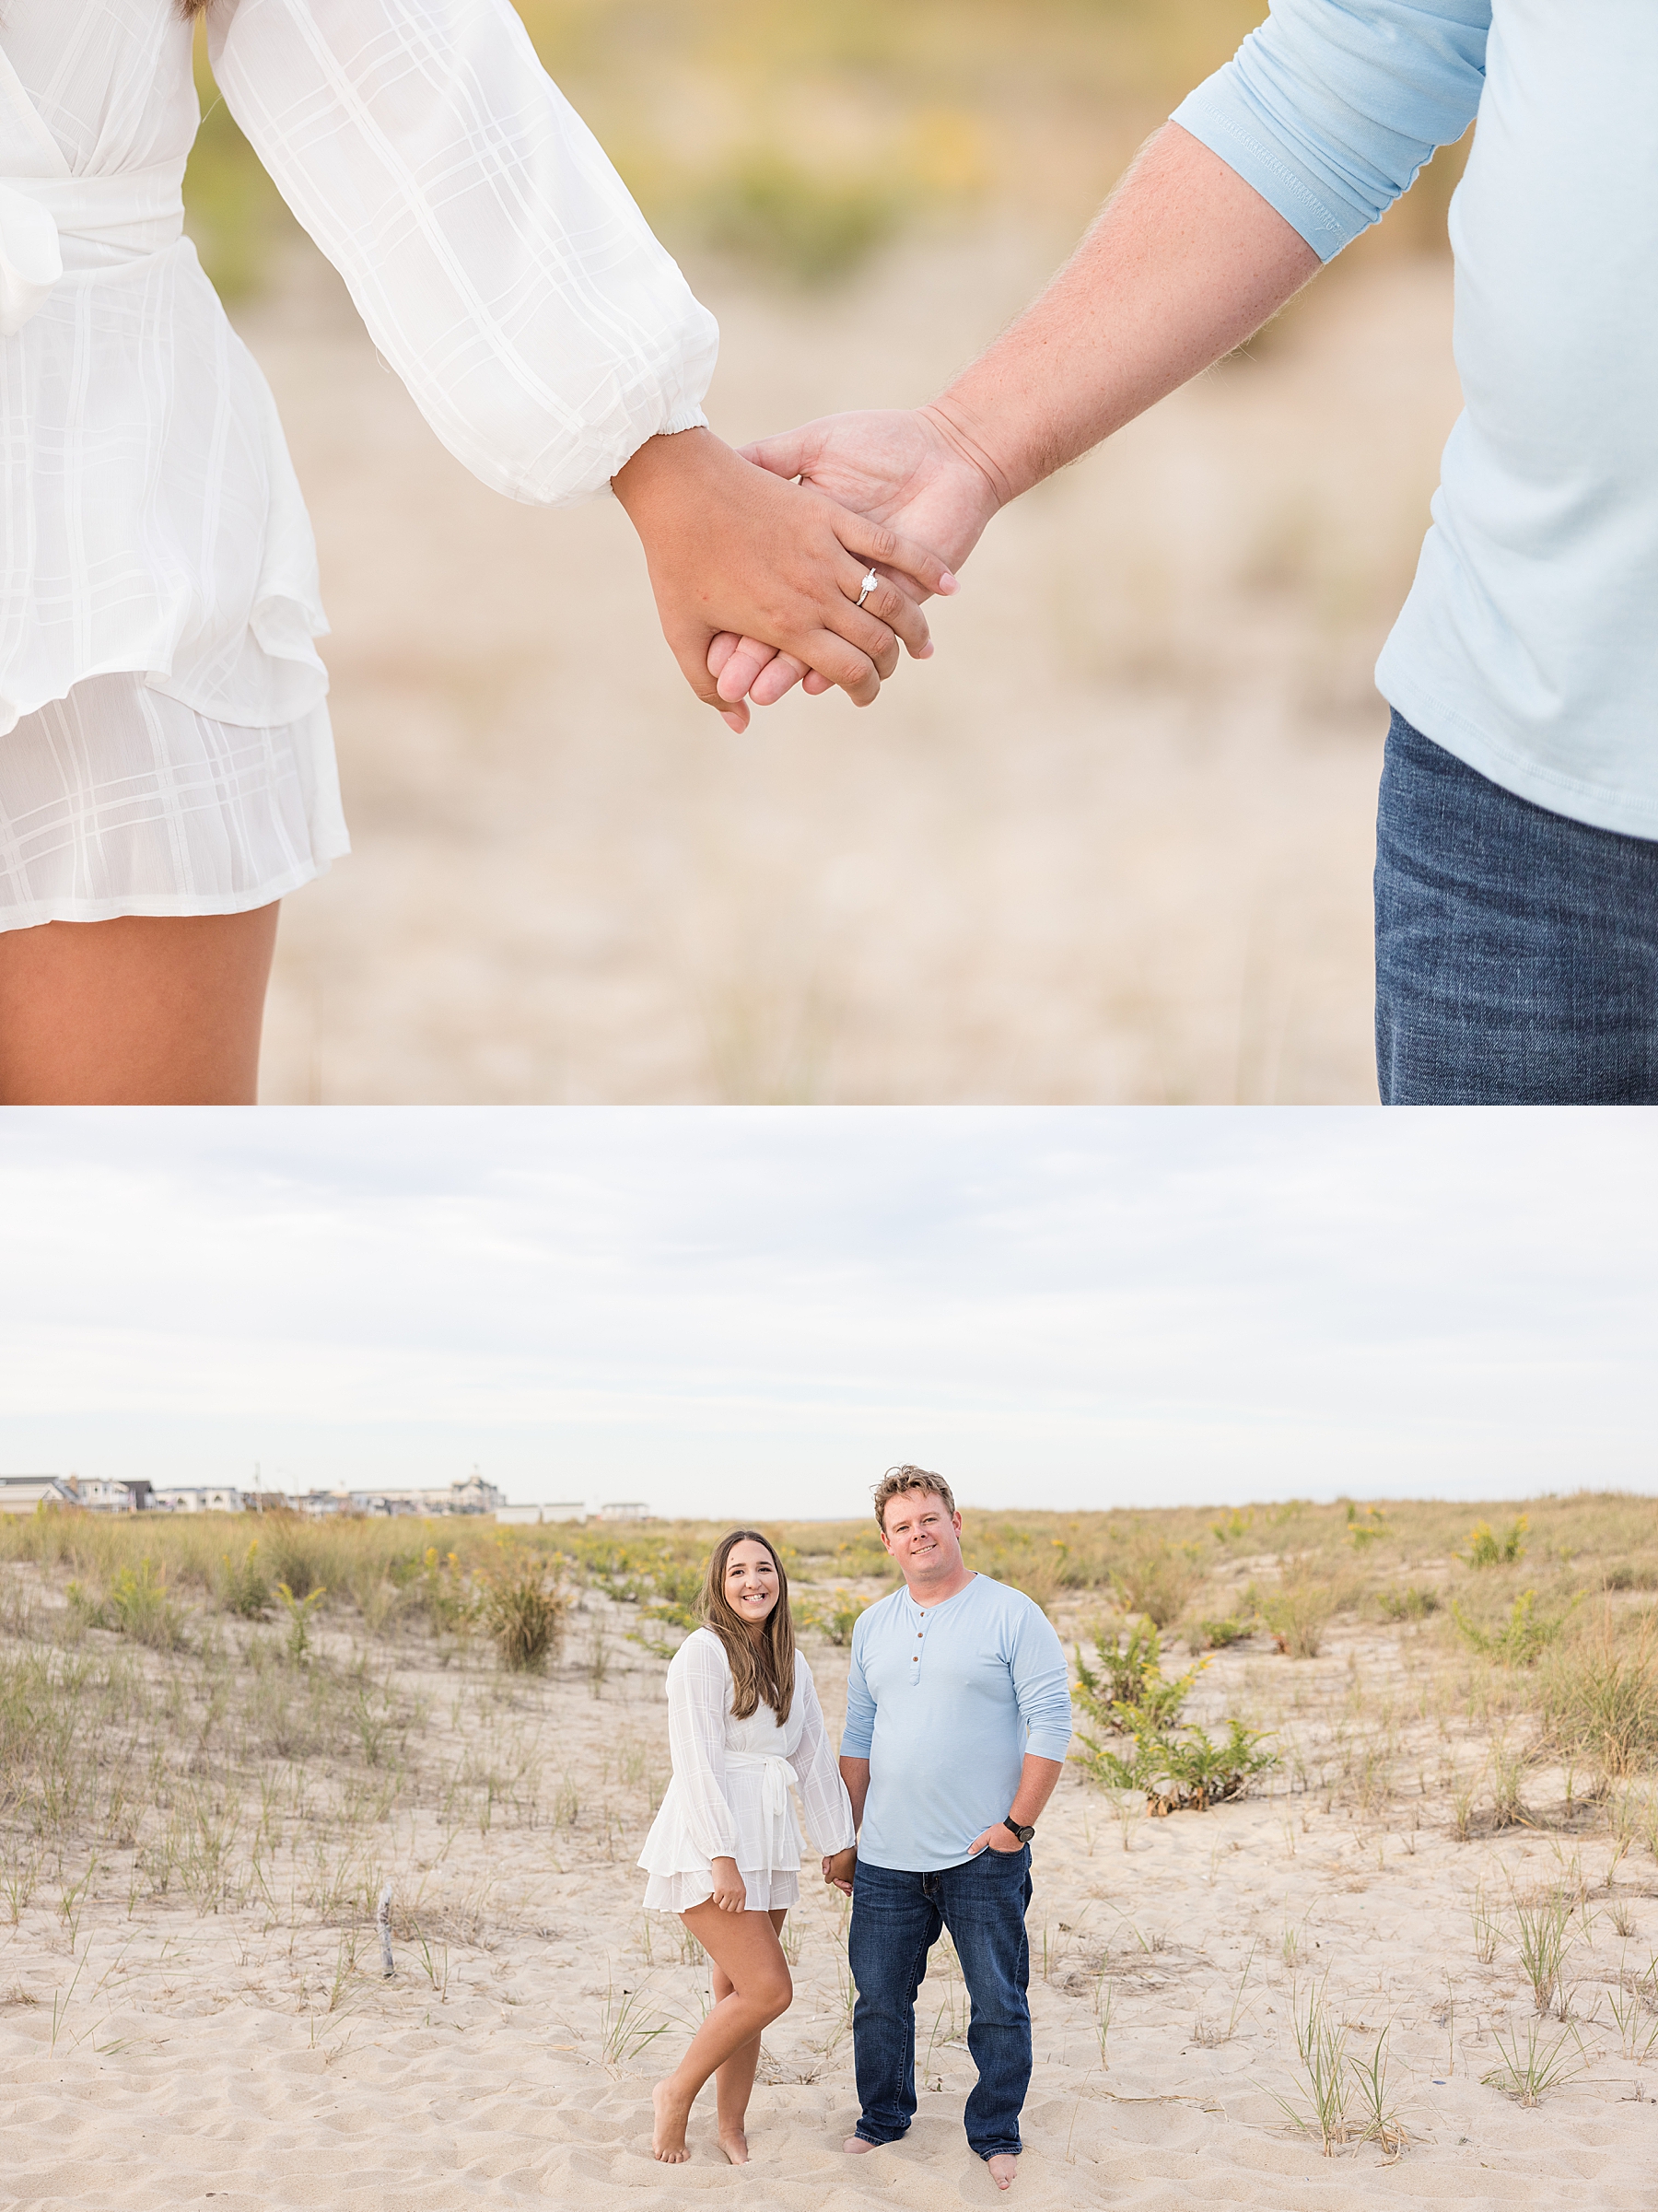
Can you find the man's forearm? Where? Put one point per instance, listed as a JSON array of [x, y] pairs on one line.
[[1037, 1782], [855, 1774], [1185, 262]]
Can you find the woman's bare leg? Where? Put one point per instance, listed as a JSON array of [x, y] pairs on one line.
[[746, 1950], [136, 1012], [734, 2082]]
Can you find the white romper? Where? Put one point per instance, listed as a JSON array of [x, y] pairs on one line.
[[728, 1798], [164, 738]]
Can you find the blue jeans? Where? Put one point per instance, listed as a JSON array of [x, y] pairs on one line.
[[896, 1919], [1516, 950]]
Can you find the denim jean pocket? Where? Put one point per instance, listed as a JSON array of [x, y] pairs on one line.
[[998, 1874]]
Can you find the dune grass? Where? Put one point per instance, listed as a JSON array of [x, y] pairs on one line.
[[1514, 1684], [1284, 1571]]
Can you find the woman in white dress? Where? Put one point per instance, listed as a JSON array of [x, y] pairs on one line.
[[724, 1852], [167, 770]]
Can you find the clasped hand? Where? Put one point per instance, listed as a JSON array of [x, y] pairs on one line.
[[918, 472], [839, 1868], [758, 559], [732, 546]]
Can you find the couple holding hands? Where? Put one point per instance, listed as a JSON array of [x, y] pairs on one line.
[[167, 770], [958, 1721]]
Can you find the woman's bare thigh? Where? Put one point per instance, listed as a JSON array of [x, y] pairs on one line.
[[743, 1947], [140, 1011], [722, 1981]]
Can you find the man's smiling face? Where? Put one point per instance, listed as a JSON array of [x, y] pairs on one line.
[[923, 1537]]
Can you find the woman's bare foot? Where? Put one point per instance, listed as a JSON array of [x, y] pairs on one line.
[[1003, 2167], [734, 2143], [856, 2144], [667, 2135]]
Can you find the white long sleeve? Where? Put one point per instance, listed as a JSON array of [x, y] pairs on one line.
[[817, 1770], [699, 1702], [150, 520], [490, 247]]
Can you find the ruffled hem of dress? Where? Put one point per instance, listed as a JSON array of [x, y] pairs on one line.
[[768, 1891], [32, 915], [294, 682], [121, 800]]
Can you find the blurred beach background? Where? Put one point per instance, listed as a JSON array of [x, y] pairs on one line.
[[1112, 844]]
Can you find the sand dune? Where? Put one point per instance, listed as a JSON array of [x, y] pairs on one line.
[[156, 2057]]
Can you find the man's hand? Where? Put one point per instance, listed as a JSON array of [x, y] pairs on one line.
[[914, 470], [1186, 260], [731, 547], [1000, 1838], [839, 1868]]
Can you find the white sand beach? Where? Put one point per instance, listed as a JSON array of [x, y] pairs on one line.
[[156, 2054]]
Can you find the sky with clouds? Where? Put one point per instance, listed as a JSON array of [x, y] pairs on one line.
[[749, 1312]]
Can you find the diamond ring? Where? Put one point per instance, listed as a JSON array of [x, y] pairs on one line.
[[869, 582]]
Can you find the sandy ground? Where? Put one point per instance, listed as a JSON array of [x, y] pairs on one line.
[[154, 2058], [1112, 844]]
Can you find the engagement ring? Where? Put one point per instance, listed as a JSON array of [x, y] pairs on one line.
[[869, 582]]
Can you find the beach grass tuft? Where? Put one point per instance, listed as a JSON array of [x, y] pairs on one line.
[[1533, 2063], [524, 1609]]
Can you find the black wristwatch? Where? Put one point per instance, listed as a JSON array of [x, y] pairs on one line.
[[1024, 1835]]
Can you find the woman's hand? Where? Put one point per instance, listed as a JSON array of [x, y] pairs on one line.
[[735, 548], [731, 1891], [916, 469]]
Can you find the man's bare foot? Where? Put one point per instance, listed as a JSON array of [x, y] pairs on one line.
[[1003, 2167], [667, 2135], [734, 2143], [856, 2146]]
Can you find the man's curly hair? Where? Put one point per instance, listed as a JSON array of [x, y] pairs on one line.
[[897, 1480]]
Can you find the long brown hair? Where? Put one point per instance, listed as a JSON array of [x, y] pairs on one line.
[[763, 1670]]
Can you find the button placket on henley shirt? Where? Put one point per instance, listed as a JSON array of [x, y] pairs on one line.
[[944, 1701]]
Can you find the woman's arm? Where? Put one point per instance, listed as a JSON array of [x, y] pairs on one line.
[[699, 1689], [493, 252], [545, 335], [828, 1808]]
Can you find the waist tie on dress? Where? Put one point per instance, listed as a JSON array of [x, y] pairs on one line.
[[51, 223], [783, 1850]]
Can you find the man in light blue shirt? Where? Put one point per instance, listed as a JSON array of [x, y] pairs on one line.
[[957, 1720], [1517, 851]]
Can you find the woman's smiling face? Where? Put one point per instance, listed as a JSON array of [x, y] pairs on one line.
[[751, 1582]]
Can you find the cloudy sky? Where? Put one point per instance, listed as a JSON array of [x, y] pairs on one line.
[[749, 1312]]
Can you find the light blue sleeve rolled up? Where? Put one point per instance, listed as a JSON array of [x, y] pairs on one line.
[[1332, 107], [1041, 1686]]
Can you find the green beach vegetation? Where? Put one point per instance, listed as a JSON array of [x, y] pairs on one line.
[[1478, 1689]]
